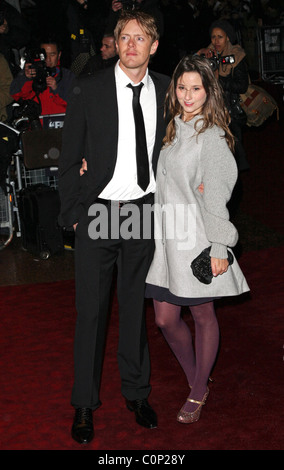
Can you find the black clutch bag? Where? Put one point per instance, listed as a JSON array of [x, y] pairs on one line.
[[201, 266]]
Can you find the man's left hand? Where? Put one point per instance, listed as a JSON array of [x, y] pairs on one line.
[[51, 82]]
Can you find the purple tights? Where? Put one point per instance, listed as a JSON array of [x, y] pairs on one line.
[[196, 362]]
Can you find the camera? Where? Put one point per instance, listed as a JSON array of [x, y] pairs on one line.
[[36, 57], [26, 115], [215, 61]]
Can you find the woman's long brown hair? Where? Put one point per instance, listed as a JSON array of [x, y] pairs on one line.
[[214, 111]]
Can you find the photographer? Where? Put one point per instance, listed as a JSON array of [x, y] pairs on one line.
[[43, 79], [229, 62]]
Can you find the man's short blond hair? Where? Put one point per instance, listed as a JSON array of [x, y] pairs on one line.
[[145, 21]]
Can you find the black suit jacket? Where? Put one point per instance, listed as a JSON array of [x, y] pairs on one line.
[[91, 131]]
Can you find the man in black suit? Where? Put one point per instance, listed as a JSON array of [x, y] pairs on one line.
[[99, 126]]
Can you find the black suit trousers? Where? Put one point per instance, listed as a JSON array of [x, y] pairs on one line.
[[95, 260]]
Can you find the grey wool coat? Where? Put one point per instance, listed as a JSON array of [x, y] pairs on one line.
[[187, 221]]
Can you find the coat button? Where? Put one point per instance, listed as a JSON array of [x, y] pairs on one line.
[[164, 171]]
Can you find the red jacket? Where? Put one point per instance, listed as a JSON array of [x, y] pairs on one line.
[[52, 102]]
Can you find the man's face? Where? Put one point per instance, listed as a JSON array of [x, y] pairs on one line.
[[135, 46], [108, 48], [52, 54]]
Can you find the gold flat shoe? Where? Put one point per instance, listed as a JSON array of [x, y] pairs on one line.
[[186, 417]]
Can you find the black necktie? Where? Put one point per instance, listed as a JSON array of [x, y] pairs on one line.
[[141, 145]]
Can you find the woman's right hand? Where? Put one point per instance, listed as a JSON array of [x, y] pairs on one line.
[[219, 266], [208, 53]]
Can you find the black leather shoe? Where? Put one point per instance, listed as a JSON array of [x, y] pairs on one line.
[[82, 429], [145, 415]]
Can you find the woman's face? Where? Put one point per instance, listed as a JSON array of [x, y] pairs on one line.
[[219, 39], [191, 94]]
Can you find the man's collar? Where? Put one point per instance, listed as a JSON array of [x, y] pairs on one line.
[[124, 80]]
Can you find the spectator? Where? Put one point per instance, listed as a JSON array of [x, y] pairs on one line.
[[233, 77], [106, 58], [51, 93]]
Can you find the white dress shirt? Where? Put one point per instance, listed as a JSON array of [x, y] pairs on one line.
[[123, 185]]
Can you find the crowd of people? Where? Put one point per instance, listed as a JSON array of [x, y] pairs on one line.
[[81, 29]]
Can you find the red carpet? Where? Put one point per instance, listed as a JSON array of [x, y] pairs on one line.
[[245, 407]]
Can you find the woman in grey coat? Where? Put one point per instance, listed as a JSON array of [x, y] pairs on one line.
[[197, 151]]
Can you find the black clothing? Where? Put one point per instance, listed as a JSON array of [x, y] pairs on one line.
[[91, 130], [147, 6], [17, 36], [98, 63], [233, 85]]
